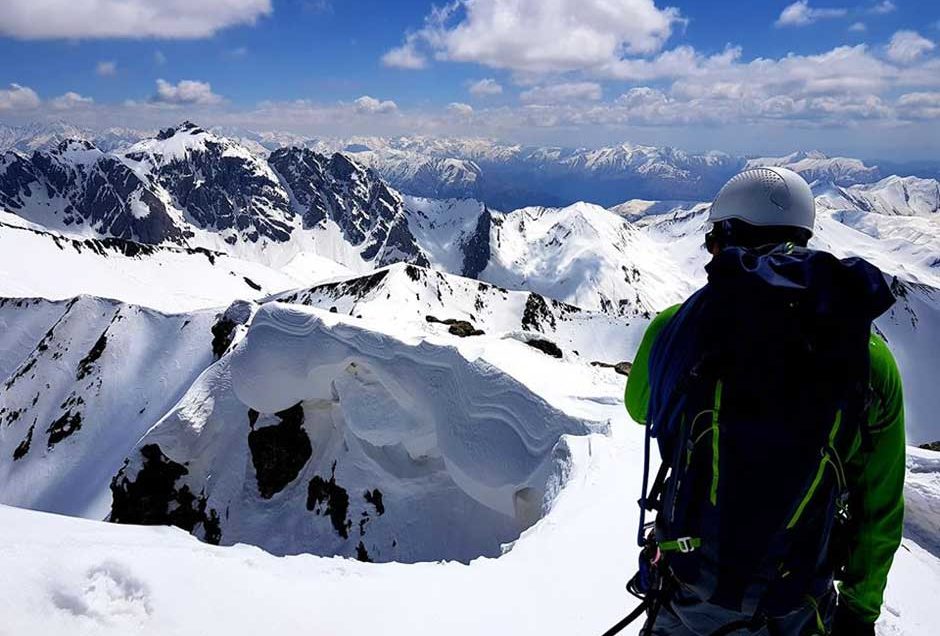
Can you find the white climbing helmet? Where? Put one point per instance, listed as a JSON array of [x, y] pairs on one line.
[[766, 196]]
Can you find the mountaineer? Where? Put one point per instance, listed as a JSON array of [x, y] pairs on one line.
[[779, 418]]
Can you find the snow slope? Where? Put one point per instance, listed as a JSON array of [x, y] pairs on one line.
[[816, 166], [584, 255], [412, 294], [38, 262], [83, 380], [894, 195], [565, 575]]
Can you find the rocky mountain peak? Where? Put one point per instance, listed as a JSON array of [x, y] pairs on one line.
[[185, 127]]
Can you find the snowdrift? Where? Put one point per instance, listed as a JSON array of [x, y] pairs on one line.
[[319, 435]]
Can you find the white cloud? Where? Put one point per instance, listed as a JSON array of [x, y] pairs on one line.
[[800, 14], [405, 56], [882, 8], [907, 46], [106, 69], [565, 92], [51, 19], [185, 92], [17, 97], [373, 106], [843, 70], [858, 27], [460, 109], [539, 36], [920, 105], [487, 86], [70, 100], [238, 52]]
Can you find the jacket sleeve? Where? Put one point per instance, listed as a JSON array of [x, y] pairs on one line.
[[876, 480], [637, 396]]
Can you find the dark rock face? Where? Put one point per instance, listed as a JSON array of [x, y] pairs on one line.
[[537, 313], [545, 346], [460, 328], [374, 497], [464, 329], [327, 498], [68, 423], [138, 194], [476, 248], [23, 447], [356, 288], [87, 364], [220, 185], [623, 368], [155, 498], [367, 211], [94, 189], [223, 331], [931, 446], [279, 452]]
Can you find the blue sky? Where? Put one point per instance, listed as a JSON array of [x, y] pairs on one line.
[[850, 77]]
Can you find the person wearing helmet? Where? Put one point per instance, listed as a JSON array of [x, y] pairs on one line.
[[780, 421]]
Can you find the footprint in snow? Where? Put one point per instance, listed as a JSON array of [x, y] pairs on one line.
[[109, 594]]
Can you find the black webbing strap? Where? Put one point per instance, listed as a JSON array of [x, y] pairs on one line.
[[629, 618]]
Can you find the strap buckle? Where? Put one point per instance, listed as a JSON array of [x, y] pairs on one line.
[[685, 544]]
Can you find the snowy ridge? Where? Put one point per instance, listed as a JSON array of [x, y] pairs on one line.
[[414, 295], [816, 166], [37, 262], [586, 256], [892, 196], [83, 380]]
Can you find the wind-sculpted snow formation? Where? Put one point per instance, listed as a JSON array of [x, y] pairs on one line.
[[91, 383], [319, 435]]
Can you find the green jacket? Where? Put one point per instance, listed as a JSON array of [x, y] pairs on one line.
[[875, 476]]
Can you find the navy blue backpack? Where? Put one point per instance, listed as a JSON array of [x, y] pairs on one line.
[[757, 382]]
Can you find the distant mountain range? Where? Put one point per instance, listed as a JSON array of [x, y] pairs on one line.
[[508, 176], [190, 189]]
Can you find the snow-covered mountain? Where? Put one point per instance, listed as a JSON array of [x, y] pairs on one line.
[[35, 261], [189, 187], [816, 166], [300, 358], [48, 135], [901, 196], [509, 176], [502, 175]]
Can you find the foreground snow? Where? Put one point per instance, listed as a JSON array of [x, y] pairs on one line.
[[564, 576]]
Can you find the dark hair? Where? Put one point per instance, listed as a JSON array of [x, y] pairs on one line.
[[738, 233]]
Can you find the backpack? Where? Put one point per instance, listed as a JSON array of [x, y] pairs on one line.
[[757, 382]]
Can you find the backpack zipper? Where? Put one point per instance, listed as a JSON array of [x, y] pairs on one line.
[[828, 456], [690, 445], [713, 495]]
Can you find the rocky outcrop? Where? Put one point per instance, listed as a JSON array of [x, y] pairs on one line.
[[367, 211], [155, 496], [75, 184]]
